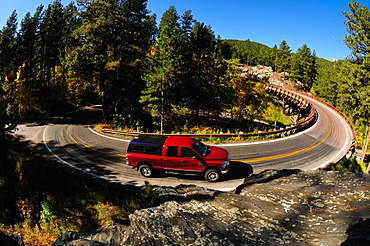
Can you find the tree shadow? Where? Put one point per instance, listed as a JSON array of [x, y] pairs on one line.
[[358, 234], [85, 159], [267, 176]]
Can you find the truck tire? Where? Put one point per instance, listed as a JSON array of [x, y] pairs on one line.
[[146, 170], [212, 175]]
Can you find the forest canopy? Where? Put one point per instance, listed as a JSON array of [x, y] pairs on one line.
[[149, 74]]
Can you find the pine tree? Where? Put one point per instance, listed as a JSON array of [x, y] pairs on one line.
[[8, 49], [326, 86], [8, 68], [303, 67], [27, 46], [283, 57], [207, 88], [50, 49], [163, 64], [170, 19], [113, 39], [357, 102], [184, 43], [358, 26]]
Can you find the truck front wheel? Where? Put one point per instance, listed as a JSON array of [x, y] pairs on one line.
[[146, 170], [212, 175]]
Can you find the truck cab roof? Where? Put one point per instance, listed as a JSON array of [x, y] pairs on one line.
[[179, 141], [152, 139], [161, 140]]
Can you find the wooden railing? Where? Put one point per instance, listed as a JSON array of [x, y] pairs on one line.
[[345, 117]]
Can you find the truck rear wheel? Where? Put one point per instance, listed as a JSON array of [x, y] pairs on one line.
[[146, 170], [212, 175]]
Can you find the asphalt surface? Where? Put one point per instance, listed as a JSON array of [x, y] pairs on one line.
[[73, 142]]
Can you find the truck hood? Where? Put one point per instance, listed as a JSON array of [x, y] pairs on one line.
[[217, 153]]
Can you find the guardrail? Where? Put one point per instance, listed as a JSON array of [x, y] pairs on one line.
[[300, 125]]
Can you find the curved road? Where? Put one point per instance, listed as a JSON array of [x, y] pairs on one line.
[[73, 142]]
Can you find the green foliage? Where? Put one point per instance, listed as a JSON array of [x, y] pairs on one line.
[[345, 84], [48, 207], [162, 66], [170, 20], [209, 83], [283, 57], [124, 121], [303, 67], [113, 37], [251, 53], [274, 115], [350, 165], [9, 115], [358, 39], [185, 72]]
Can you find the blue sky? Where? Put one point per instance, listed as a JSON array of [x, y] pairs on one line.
[[316, 23]]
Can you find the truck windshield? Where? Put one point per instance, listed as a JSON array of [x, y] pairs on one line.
[[201, 148]]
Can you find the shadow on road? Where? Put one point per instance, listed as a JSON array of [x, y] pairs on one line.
[[358, 234], [86, 159], [238, 170]]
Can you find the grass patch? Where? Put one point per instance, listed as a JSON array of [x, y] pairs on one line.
[[274, 114]]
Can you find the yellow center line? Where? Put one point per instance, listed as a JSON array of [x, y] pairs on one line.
[[294, 152], [240, 160], [92, 148]]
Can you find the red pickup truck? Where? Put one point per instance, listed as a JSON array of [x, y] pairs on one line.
[[177, 154]]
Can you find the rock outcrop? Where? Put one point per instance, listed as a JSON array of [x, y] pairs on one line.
[[9, 240], [287, 207]]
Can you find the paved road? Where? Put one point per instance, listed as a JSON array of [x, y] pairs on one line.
[[73, 142]]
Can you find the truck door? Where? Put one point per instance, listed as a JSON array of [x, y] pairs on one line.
[[171, 157], [189, 160]]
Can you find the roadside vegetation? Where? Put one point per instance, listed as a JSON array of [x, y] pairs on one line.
[[351, 164], [39, 200], [177, 76]]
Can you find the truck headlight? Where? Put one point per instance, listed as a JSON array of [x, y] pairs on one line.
[[225, 164]]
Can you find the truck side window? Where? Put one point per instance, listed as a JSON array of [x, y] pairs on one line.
[[171, 151], [151, 149], [187, 153], [138, 148]]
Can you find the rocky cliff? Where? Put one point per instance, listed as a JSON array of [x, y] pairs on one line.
[[287, 207]]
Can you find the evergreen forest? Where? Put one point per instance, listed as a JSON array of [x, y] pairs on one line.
[[143, 73], [148, 74]]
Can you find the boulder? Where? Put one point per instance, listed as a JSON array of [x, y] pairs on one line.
[[285, 207], [110, 235], [9, 240]]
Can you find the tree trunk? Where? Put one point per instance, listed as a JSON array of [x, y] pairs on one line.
[[103, 96]]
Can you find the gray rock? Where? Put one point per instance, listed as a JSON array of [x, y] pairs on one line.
[[111, 235], [11, 239], [286, 207]]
